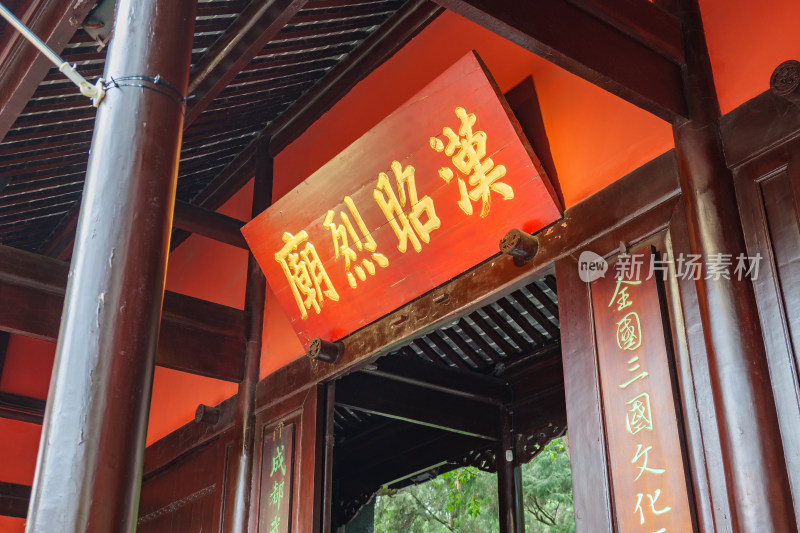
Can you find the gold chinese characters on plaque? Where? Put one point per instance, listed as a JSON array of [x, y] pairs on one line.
[[423, 196]]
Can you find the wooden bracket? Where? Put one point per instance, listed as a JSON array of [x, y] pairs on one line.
[[320, 350], [785, 81], [519, 245]]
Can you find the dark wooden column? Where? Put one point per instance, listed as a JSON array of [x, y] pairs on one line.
[[509, 480], [756, 477], [237, 506], [90, 460]]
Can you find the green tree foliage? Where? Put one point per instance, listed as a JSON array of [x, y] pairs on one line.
[[465, 500]]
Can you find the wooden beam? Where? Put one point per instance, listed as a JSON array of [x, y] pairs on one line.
[[258, 24], [577, 37], [196, 336], [398, 452], [187, 218], [382, 44], [460, 383], [641, 20], [22, 408], [403, 401], [14, 499], [209, 224], [22, 67]]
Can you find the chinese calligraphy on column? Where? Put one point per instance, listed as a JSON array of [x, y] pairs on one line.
[[276, 480], [647, 467]]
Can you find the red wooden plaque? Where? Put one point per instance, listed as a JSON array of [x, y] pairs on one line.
[[421, 197], [647, 468]]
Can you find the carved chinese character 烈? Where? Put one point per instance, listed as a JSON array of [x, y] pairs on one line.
[[345, 237]]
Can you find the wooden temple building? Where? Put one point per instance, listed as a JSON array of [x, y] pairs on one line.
[[305, 249]]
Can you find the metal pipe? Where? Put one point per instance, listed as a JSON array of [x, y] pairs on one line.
[[96, 92]]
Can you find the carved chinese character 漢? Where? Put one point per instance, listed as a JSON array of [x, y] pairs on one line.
[[305, 273], [407, 226], [344, 237], [471, 161]]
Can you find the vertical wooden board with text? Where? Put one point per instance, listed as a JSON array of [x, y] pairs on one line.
[[277, 470], [642, 426], [423, 196]]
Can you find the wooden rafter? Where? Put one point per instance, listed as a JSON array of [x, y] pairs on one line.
[[259, 23], [631, 48], [196, 336], [22, 66], [376, 49]]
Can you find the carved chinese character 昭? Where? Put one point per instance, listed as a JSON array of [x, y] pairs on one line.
[[471, 161], [652, 497], [407, 226], [305, 273], [639, 417], [641, 453], [344, 235]]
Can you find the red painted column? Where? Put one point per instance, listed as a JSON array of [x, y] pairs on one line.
[[88, 472], [237, 508], [757, 481]]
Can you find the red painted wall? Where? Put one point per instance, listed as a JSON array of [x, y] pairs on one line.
[[746, 41]]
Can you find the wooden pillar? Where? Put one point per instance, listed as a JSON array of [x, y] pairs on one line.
[[509, 481], [755, 470], [237, 506], [88, 472]]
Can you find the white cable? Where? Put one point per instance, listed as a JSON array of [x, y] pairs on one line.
[[96, 92]]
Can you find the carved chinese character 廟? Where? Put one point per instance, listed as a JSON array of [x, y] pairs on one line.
[[305, 273]]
